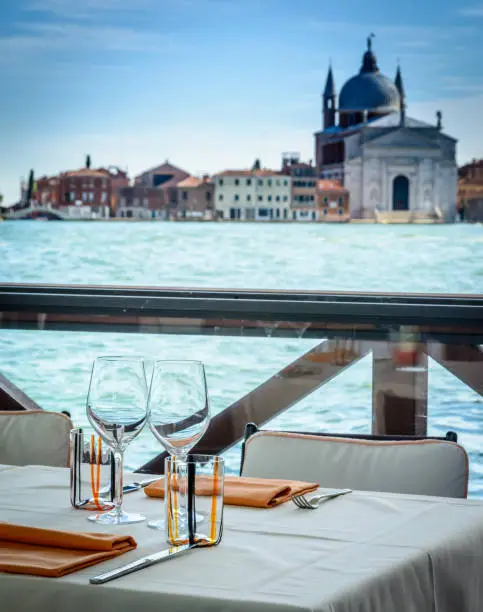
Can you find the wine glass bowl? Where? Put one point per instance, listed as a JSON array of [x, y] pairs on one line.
[[178, 405], [117, 410]]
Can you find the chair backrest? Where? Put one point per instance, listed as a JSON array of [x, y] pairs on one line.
[[421, 467], [34, 437]]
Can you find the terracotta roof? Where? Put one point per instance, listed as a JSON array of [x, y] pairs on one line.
[[165, 168], [326, 185], [194, 181], [87, 172], [263, 172]]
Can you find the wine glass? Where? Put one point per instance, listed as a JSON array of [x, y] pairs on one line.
[[117, 409], [178, 407]]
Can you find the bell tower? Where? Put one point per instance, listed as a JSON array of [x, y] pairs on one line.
[[329, 101], [398, 81]]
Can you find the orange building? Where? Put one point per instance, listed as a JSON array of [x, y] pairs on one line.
[[470, 191], [195, 198], [84, 193], [332, 201]]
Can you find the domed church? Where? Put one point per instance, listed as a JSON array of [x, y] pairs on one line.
[[387, 160]]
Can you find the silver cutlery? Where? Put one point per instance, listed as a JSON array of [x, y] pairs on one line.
[[137, 485], [147, 561], [302, 501]]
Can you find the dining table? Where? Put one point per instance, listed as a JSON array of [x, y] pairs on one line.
[[361, 552]]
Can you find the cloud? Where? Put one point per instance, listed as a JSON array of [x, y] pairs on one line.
[[472, 11], [461, 85], [416, 36], [81, 9], [46, 47]]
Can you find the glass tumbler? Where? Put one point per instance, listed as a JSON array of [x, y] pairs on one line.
[[91, 472], [202, 511]]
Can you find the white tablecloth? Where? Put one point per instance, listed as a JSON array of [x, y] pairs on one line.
[[365, 552]]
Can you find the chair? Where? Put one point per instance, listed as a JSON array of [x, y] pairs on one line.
[[34, 437], [401, 464]]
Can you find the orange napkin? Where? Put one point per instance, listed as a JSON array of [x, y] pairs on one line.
[[242, 491], [46, 552]]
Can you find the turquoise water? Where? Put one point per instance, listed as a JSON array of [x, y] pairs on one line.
[[53, 367]]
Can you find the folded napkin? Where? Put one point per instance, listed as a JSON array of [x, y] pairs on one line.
[[242, 491], [46, 552]]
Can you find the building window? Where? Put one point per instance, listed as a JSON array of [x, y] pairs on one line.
[[84, 196], [237, 182], [277, 198], [249, 181], [285, 183], [285, 198], [341, 201], [326, 200], [237, 197], [269, 182], [263, 212], [278, 213], [233, 213], [269, 198], [260, 182], [311, 198], [91, 197], [184, 195], [220, 182], [249, 197], [285, 213], [341, 211], [208, 196], [220, 197], [260, 198], [103, 197], [72, 196]]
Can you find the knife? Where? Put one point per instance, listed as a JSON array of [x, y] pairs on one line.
[[136, 486], [147, 561]]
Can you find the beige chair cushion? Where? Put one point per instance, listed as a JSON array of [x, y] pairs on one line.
[[34, 437], [421, 467]]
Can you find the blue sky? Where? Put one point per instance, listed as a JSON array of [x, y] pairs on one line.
[[212, 84]]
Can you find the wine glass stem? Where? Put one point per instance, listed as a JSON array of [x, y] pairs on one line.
[[118, 471]]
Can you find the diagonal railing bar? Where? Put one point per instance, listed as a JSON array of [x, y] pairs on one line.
[[275, 395], [13, 398], [463, 361]]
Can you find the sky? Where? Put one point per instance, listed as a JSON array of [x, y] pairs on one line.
[[214, 84]]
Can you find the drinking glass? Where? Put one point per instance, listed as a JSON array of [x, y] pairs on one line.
[[178, 408], [117, 409], [207, 499], [91, 472]]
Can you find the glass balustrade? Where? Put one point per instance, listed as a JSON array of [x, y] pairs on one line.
[[347, 363]]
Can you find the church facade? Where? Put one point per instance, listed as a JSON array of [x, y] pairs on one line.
[[388, 161]]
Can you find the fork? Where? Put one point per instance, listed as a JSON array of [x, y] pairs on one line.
[[314, 502]]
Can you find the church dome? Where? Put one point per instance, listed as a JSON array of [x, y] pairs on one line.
[[369, 90]]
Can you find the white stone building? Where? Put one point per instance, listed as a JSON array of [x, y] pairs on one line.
[[390, 163], [252, 195]]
